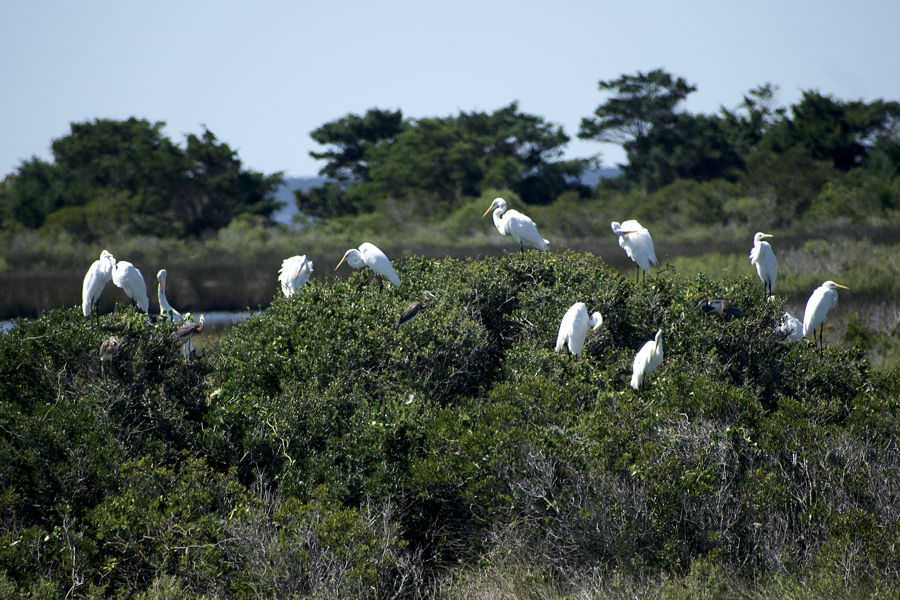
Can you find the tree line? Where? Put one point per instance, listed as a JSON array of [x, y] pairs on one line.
[[840, 157]]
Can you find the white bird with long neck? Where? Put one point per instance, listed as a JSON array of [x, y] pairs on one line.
[[764, 260], [637, 243], [368, 255], [647, 359], [164, 307], [294, 273], [823, 299], [99, 274], [514, 223], [129, 278], [574, 325]]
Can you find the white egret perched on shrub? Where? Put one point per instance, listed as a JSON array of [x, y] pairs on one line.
[[764, 260], [638, 244], [294, 273], [98, 275], [823, 299], [789, 325], [188, 332], [646, 361], [164, 307], [414, 309], [514, 223], [129, 278], [368, 255], [574, 325]]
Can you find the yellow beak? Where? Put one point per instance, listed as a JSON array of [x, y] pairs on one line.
[[487, 211], [340, 263], [841, 286]]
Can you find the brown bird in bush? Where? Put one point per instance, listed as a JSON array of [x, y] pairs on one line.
[[720, 307], [186, 333], [107, 349], [414, 309]]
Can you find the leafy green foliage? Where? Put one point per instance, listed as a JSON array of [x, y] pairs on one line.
[[126, 175]]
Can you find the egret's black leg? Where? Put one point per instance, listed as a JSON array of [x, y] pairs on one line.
[[380, 283], [521, 247]]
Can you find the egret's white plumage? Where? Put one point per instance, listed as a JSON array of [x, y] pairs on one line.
[[294, 273], [823, 299], [368, 255], [638, 244], [164, 307], [95, 280], [514, 223], [574, 326], [764, 260], [646, 360], [129, 278], [792, 327]]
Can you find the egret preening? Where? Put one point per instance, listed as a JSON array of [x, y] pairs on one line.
[[295, 272], [823, 299], [638, 244], [414, 309], [107, 349], [95, 280], [368, 255], [764, 259], [517, 225], [127, 277], [164, 307], [646, 361], [789, 325], [574, 325], [186, 333], [720, 307]]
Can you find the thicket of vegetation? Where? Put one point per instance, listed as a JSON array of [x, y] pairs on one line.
[[317, 452]]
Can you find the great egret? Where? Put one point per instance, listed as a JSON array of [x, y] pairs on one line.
[[638, 244], [294, 273], [789, 325], [368, 255], [646, 361], [95, 280], [164, 307], [720, 307], [823, 299], [107, 349], [414, 309], [574, 325], [129, 278], [186, 333], [764, 259], [517, 225]]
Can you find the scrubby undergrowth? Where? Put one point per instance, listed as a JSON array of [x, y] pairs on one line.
[[317, 451]]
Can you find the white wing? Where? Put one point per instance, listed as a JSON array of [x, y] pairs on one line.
[[523, 230], [129, 278], [294, 273], [638, 244], [378, 262], [95, 280], [766, 264], [820, 302], [573, 328]]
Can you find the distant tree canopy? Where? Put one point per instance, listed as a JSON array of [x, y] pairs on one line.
[[126, 176], [663, 144], [435, 161]]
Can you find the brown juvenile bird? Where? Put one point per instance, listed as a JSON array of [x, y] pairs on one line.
[[186, 333], [107, 349], [720, 307], [414, 309]]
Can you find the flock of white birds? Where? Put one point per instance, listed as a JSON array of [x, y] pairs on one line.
[[633, 238]]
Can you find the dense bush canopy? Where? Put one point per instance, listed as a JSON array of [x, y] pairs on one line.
[[319, 451]]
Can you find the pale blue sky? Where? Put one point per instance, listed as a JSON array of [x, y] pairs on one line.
[[262, 75]]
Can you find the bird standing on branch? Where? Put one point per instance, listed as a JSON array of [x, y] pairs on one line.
[[574, 325], [764, 260], [823, 299], [514, 223], [186, 333], [368, 255], [647, 359], [294, 273], [638, 244], [414, 309], [129, 278], [98, 275]]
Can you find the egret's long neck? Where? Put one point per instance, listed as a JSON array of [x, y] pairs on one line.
[[498, 219]]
